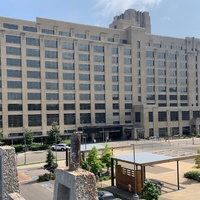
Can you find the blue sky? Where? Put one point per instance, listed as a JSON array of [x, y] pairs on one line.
[[175, 18]]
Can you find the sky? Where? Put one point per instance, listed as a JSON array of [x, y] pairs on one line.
[[173, 18]]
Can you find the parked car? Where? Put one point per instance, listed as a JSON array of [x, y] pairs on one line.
[[105, 195], [59, 147]]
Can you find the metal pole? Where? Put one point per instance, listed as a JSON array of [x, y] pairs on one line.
[[12, 133], [135, 196], [24, 148], [178, 175]]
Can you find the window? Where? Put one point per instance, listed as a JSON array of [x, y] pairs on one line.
[[51, 54], [33, 52], [162, 97], [173, 97], [68, 86], [47, 31], [98, 49], [33, 63], [100, 117], [128, 97], [185, 115], [68, 66], [86, 118], [34, 106], [99, 96], [150, 97], [174, 115], [29, 28], [13, 62], [99, 77], [127, 52], [64, 33], [137, 117], [115, 78], [84, 86], [14, 96], [115, 87], [80, 35], [94, 37], [99, 106], [84, 96], [115, 106], [10, 26], [115, 97], [52, 106], [51, 86], [69, 96], [68, 56], [84, 67], [14, 73], [127, 70], [196, 114], [110, 39], [99, 87], [83, 57], [84, 106], [35, 120], [98, 58], [51, 75], [70, 106], [33, 85], [50, 43], [14, 107], [127, 61], [51, 64], [84, 77], [127, 79], [34, 96], [67, 45], [83, 47], [162, 116], [150, 116], [13, 51], [128, 105], [183, 97], [33, 74], [128, 87], [114, 69], [32, 41], [68, 76], [114, 60], [14, 84], [15, 121], [114, 50], [13, 39], [52, 96], [115, 114], [69, 119], [99, 68], [127, 113], [149, 54], [52, 118]]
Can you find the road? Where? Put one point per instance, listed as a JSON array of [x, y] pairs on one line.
[[142, 145]]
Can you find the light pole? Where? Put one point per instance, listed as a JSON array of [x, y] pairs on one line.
[[135, 196], [12, 134], [56, 147]]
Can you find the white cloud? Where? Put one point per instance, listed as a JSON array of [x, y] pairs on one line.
[[115, 7]]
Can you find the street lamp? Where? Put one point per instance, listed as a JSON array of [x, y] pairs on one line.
[[135, 196], [24, 134]]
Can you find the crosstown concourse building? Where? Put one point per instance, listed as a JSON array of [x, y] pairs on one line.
[[112, 83]]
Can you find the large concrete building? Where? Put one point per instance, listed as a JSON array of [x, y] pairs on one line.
[[116, 82]]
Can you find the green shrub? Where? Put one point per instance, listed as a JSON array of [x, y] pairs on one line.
[[194, 175], [38, 146], [18, 148], [44, 177]]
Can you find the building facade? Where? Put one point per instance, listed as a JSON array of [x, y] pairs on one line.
[[116, 82]]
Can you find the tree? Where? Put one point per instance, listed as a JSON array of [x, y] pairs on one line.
[[28, 137], [106, 157], [151, 192], [93, 162], [54, 134], [197, 160], [50, 164]]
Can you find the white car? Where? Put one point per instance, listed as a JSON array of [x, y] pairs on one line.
[[59, 147]]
